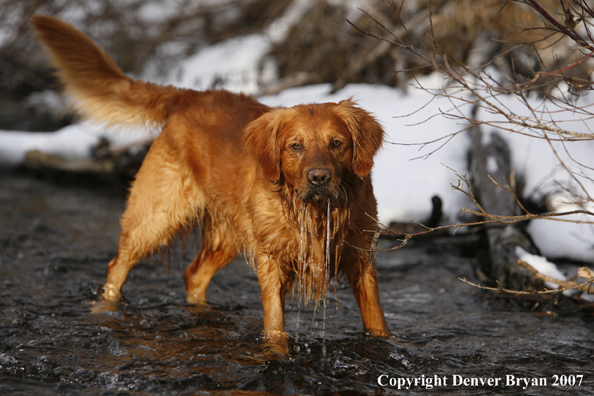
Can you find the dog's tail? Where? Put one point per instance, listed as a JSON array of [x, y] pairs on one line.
[[99, 88]]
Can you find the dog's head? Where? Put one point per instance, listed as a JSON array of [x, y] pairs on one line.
[[314, 148]]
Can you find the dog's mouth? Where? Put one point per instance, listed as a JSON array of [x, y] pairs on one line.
[[319, 194]]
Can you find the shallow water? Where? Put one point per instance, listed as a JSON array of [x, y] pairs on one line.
[[56, 238]]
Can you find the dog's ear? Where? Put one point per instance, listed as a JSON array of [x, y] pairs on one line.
[[262, 138], [366, 132]]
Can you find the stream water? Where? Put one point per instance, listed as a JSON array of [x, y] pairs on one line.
[[57, 236]]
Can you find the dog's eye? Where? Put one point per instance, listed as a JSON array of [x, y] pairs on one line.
[[296, 147], [336, 143]]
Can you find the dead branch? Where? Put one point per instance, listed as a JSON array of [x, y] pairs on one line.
[[475, 86], [583, 272], [501, 289], [510, 219], [368, 56]]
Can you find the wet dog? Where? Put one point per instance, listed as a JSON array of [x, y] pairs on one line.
[[290, 187]]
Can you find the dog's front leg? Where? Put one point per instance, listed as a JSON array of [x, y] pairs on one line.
[[363, 280], [273, 287]]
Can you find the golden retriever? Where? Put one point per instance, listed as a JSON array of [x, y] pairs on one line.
[[290, 187]]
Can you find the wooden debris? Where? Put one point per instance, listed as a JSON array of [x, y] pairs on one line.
[[584, 287], [104, 158], [490, 163], [39, 159]]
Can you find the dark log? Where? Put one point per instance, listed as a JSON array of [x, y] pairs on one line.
[[491, 157]]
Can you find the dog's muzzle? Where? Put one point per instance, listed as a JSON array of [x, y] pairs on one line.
[[319, 185]]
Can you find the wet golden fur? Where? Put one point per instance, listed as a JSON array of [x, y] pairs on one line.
[[243, 172]]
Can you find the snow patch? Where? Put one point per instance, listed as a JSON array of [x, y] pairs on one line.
[[542, 265], [557, 239], [75, 140], [233, 65]]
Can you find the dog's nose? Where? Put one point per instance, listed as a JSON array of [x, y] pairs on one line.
[[319, 176]]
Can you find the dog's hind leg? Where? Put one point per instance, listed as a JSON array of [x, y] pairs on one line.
[[216, 251], [163, 200]]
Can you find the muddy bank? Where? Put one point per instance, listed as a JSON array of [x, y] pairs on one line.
[[57, 236]]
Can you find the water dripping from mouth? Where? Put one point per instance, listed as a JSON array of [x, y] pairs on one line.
[[322, 287], [327, 242], [303, 219], [297, 347], [326, 281], [324, 327], [302, 246]]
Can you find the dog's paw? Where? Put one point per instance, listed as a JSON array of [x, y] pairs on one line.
[[110, 294], [98, 307], [196, 299], [199, 307], [377, 333], [276, 342]]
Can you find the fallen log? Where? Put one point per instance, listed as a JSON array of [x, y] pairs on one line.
[[104, 158], [39, 159]]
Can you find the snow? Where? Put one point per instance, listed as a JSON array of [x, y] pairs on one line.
[[562, 239], [405, 176], [74, 140], [542, 265], [233, 65]]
